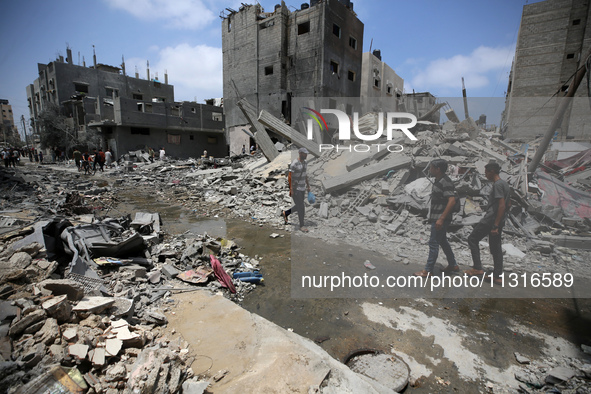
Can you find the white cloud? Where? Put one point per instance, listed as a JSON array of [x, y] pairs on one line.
[[195, 71], [476, 68], [178, 14]]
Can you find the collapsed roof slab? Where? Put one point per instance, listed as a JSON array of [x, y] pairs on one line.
[[358, 160], [288, 132], [343, 181], [260, 136], [489, 152]]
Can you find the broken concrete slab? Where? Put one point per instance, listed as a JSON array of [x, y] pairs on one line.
[[286, 131], [376, 153], [58, 307], [94, 304], [261, 137], [559, 375], [98, 357], [78, 350], [334, 184], [489, 152], [73, 289], [113, 346], [26, 321]]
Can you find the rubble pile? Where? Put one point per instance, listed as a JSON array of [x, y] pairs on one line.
[[377, 195], [87, 302], [85, 298], [557, 374]]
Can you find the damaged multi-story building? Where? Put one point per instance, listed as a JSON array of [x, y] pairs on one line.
[[381, 87], [272, 57], [553, 41], [129, 113], [9, 131]]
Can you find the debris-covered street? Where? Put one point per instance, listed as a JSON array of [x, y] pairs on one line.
[[120, 281]]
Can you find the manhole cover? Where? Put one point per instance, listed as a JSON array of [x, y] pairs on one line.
[[387, 369]]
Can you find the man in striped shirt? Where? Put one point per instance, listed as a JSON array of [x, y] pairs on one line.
[[298, 185], [440, 215]]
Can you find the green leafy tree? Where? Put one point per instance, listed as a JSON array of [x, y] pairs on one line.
[[55, 131]]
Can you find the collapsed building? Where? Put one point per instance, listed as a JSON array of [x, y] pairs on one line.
[[271, 57]]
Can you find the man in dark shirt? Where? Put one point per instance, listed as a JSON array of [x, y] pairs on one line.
[[440, 215], [491, 224]]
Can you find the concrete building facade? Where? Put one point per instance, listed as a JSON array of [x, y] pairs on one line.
[[270, 58], [419, 104], [381, 87], [9, 129], [129, 113], [553, 37]]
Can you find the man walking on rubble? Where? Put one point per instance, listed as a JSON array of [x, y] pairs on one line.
[[440, 215], [77, 157], [298, 185], [491, 224]]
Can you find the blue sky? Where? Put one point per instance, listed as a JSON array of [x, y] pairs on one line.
[[431, 44]]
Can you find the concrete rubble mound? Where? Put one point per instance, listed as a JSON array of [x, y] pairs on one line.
[[83, 291]]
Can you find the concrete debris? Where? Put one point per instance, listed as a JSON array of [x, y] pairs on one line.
[[91, 291]]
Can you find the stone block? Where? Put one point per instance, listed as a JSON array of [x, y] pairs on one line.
[[59, 308], [73, 289], [49, 332], [26, 321], [20, 260]]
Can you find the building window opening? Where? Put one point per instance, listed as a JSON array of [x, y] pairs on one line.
[[81, 87], [110, 92], [576, 22], [377, 83], [336, 30], [351, 76], [353, 42], [269, 70], [144, 107], [303, 28], [138, 96], [570, 56], [334, 67], [191, 137], [193, 110], [140, 130], [389, 89], [229, 25], [216, 116], [175, 111]]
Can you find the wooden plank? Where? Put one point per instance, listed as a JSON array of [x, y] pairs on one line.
[[288, 132], [260, 136], [342, 181]]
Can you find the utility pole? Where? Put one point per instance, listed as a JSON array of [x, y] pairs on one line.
[[465, 99], [25, 130]]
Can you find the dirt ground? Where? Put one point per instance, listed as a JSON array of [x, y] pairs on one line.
[[450, 345]]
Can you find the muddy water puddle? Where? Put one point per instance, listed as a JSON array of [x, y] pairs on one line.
[[340, 326]]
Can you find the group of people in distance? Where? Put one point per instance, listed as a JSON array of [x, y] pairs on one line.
[[98, 158], [443, 200]]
